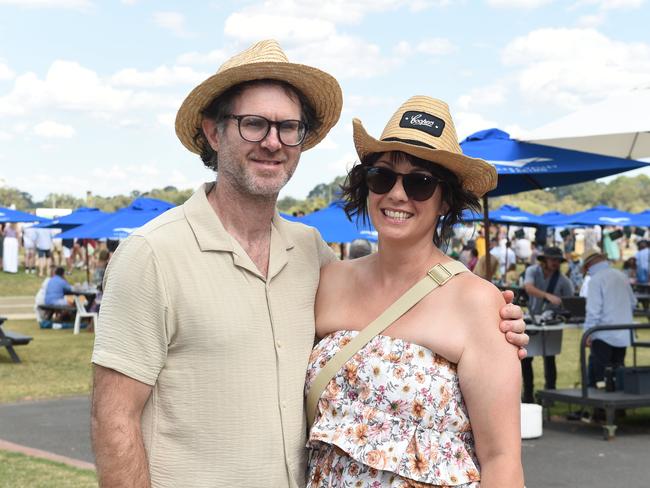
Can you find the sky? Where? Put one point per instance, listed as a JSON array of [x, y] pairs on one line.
[[89, 89]]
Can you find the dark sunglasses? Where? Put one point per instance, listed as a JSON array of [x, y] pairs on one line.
[[418, 186]]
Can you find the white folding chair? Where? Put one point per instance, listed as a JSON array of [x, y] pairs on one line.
[[82, 314]]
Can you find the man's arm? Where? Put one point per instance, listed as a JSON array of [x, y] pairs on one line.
[[117, 404]]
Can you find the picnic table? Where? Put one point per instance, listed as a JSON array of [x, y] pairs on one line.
[[610, 401], [10, 339]]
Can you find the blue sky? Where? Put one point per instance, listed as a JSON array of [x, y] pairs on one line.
[[89, 89]]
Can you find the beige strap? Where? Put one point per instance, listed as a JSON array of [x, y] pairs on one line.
[[436, 276]]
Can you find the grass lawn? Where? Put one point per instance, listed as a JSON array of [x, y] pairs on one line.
[[17, 470], [22, 284], [56, 363]]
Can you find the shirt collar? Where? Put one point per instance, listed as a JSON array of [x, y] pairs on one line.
[[210, 232], [597, 267]]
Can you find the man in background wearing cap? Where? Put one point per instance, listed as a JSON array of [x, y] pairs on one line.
[[610, 300], [207, 320], [545, 286]]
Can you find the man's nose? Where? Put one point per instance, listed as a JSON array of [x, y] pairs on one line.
[[272, 140]]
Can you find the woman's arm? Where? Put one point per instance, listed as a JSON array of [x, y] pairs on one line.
[[490, 380]]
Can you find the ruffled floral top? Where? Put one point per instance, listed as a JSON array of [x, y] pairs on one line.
[[393, 416]]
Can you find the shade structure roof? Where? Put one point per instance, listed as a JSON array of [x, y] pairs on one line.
[[602, 215], [80, 216], [617, 126], [523, 166], [8, 215], [334, 225], [120, 224], [506, 214]]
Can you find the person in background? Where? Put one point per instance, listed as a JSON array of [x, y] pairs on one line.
[[642, 262], [505, 255], [44, 250], [575, 273], [523, 249], [29, 244], [359, 248], [10, 245], [610, 300], [512, 276], [487, 266], [545, 286], [629, 268], [57, 288], [473, 259]]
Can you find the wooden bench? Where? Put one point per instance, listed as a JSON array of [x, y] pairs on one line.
[[10, 339]]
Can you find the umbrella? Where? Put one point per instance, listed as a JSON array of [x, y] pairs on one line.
[[8, 215], [617, 126], [120, 224], [602, 215], [80, 216], [334, 225], [506, 214], [523, 166]]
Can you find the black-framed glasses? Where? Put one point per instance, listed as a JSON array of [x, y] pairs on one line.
[[254, 128], [418, 186]]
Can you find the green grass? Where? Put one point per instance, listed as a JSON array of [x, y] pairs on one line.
[[23, 284], [17, 470], [56, 363]]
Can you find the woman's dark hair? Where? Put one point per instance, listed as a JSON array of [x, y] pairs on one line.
[[355, 192], [221, 107]]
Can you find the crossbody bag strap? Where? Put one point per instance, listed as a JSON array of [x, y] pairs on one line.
[[436, 276]]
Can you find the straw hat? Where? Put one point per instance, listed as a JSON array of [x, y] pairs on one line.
[[423, 127], [263, 60], [590, 255]]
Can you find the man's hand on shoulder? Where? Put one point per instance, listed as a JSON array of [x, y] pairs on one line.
[[512, 324]]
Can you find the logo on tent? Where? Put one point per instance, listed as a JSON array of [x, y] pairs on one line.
[[520, 163]]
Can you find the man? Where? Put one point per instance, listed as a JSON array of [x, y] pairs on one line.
[[642, 262], [523, 248], [43, 250], [545, 286], [29, 243], [56, 288], [505, 255], [610, 300], [207, 319]]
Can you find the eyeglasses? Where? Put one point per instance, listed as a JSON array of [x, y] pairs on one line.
[[418, 186], [254, 128]]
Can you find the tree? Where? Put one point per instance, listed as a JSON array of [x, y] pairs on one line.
[[61, 200], [13, 196]]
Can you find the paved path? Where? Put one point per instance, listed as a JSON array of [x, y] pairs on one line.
[[568, 455], [17, 308]]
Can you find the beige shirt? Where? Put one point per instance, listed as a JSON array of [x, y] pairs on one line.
[[186, 311]]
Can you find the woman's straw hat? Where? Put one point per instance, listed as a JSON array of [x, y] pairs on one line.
[[264, 60], [422, 127]]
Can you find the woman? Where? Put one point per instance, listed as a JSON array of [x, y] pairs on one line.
[[398, 413], [10, 249]]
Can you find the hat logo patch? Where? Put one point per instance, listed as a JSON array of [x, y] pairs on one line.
[[424, 122]]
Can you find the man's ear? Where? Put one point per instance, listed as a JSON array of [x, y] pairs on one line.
[[211, 132]]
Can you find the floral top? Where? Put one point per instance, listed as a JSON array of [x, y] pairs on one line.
[[395, 406]]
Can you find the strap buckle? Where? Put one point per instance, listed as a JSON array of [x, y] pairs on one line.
[[440, 274]]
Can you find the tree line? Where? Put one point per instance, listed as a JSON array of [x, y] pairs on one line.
[[631, 194]]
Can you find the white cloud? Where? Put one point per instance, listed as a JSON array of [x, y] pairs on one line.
[[172, 21], [611, 4], [285, 28], [569, 67], [161, 76], [518, 3], [469, 122], [6, 136], [435, 46], [345, 57], [54, 130], [69, 86], [72, 4], [490, 95], [167, 119], [591, 21], [213, 58], [6, 73]]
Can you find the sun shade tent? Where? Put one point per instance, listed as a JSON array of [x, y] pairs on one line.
[[602, 215], [334, 225], [617, 126], [80, 216], [120, 224], [9, 216]]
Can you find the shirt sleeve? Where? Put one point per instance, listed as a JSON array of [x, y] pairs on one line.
[[529, 277], [131, 334], [325, 253], [594, 307]]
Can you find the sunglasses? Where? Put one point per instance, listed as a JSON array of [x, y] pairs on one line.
[[418, 186]]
